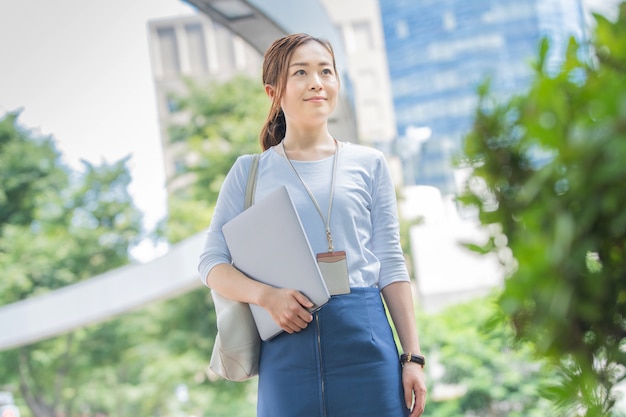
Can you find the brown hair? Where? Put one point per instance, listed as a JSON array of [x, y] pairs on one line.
[[275, 68]]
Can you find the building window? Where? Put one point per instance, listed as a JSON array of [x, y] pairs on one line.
[[367, 83], [197, 48], [370, 119], [173, 106], [402, 29], [363, 36], [225, 49], [168, 46], [180, 167], [449, 21], [239, 53]]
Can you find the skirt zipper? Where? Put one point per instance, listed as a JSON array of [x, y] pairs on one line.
[[319, 351]]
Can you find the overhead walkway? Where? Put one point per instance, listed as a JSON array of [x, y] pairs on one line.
[[260, 22], [101, 297]]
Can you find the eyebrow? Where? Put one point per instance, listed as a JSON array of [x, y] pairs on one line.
[[304, 64]]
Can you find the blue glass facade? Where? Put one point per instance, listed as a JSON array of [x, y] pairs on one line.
[[438, 51]]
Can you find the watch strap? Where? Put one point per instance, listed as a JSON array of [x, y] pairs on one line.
[[412, 357]]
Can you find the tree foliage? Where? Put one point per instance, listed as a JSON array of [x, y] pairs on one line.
[[222, 122], [548, 178], [58, 228], [475, 368], [30, 172]]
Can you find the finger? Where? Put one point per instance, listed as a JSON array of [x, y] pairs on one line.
[[408, 396], [417, 411], [293, 322], [299, 316], [305, 316], [299, 323], [303, 300], [418, 407], [290, 328]]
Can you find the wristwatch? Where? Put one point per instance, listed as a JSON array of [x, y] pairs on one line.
[[411, 357]]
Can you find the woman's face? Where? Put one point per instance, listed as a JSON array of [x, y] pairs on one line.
[[311, 90]]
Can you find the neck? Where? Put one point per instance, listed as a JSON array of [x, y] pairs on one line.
[[309, 147], [303, 138]]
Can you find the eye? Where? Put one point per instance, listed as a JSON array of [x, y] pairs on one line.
[[300, 72], [327, 71]]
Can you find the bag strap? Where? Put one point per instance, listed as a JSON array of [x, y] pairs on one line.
[[251, 185]]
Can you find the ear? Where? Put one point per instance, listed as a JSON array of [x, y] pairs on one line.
[[269, 90]]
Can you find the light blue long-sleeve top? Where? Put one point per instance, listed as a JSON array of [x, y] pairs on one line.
[[364, 219]]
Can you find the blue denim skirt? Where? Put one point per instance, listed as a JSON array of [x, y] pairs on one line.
[[345, 363]]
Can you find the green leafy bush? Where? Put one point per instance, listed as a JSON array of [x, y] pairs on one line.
[[549, 170]]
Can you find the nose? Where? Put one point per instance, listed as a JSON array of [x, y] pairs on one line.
[[316, 82]]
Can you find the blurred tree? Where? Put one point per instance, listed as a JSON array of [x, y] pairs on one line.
[[183, 329], [476, 369], [224, 121], [30, 172], [58, 228], [549, 178]]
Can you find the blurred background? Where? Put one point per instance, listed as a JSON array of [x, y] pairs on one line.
[[119, 121]]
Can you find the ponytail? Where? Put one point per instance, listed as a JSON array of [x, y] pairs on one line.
[[274, 128]]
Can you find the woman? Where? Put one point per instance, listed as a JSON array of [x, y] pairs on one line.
[[341, 360]]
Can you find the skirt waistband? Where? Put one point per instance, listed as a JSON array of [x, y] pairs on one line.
[[360, 290]]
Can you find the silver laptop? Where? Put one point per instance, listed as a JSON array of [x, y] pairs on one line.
[[267, 243]]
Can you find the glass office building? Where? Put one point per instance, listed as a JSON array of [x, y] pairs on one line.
[[439, 51]]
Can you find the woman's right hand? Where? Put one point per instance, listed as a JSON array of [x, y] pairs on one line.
[[288, 308]]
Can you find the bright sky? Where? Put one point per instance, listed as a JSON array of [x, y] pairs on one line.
[[81, 72]]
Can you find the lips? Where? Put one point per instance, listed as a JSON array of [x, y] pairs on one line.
[[316, 98]]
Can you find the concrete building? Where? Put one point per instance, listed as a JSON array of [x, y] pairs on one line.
[[198, 48], [364, 44]]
